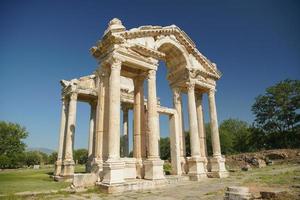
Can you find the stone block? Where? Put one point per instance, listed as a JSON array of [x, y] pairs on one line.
[[196, 168], [67, 168], [154, 169], [84, 180], [274, 194], [218, 169], [237, 193], [130, 171], [113, 172]]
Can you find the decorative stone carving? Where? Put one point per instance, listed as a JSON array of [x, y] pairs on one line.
[[126, 58]]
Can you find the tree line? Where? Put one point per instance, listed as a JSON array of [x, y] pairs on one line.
[[276, 125], [13, 152]]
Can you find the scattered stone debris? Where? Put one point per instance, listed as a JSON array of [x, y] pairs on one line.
[[277, 155], [274, 194], [263, 158], [36, 166], [258, 163], [237, 193], [296, 186], [246, 168]]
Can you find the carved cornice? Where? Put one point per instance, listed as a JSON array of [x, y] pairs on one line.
[[112, 41], [181, 36], [143, 50]]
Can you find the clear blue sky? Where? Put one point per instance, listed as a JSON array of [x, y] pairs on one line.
[[255, 44]]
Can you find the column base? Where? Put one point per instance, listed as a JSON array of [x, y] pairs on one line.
[[130, 171], [140, 170], [218, 169], [154, 169], [58, 166], [184, 165], [88, 166], [97, 168], [113, 172], [196, 168], [67, 168]]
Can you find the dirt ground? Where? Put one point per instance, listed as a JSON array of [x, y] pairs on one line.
[[279, 176], [283, 173]]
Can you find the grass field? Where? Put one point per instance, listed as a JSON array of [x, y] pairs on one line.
[[276, 176], [20, 180]]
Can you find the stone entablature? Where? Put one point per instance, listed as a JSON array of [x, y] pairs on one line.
[[127, 59]]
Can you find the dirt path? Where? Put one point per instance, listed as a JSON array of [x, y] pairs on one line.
[[207, 189]]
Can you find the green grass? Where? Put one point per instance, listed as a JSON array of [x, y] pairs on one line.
[[21, 180], [280, 175]]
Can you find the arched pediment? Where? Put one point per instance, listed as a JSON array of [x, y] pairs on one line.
[[158, 42]]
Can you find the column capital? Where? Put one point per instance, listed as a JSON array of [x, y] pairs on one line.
[[211, 92], [93, 102], [103, 71], [73, 96], [191, 86], [151, 74], [112, 59], [116, 65], [199, 97], [125, 107], [139, 79], [176, 94]]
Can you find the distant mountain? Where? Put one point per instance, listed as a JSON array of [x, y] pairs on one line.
[[41, 149]]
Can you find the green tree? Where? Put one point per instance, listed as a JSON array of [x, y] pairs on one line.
[[164, 147], [11, 144], [33, 158], [81, 156], [234, 136], [52, 158], [277, 117]]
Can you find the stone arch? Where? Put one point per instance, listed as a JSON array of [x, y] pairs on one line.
[[176, 56]]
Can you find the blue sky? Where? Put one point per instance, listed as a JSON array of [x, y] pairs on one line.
[[255, 44]]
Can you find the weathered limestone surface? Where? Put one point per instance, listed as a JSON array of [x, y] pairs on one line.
[[126, 59]]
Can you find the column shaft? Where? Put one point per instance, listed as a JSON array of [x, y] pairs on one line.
[[91, 143], [214, 124], [125, 132], [152, 116], [62, 131], [62, 134], [138, 114], [177, 103], [71, 127], [194, 136], [114, 111], [201, 125]]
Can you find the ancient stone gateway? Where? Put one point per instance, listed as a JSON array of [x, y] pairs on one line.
[[128, 58]]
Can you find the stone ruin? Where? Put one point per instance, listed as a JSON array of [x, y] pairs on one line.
[[127, 59]]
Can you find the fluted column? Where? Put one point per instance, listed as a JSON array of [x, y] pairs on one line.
[[114, 111], [68, 163], [138, 126], [101, 109], [194, 136], [196, 162], [177, 103], [217, 163], [214, 124], [153, 164], [201, 125], [152, 116], [125, 131], [91, 143], [137, 111], [113, 168], [63, 121]]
